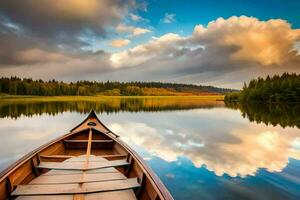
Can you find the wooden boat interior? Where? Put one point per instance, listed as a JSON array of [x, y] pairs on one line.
[[90, 162]]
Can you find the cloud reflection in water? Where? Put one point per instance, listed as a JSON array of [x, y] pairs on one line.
[[240, 150]]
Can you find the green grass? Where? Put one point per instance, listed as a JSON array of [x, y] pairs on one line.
[[101, 98]]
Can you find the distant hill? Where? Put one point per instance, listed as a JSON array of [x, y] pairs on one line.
[[28, 86]]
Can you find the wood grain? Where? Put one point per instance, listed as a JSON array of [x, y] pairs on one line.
[[52, 189]]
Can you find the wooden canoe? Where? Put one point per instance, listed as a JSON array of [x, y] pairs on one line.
[[90, 162]]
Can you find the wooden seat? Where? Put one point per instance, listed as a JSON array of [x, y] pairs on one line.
[[77, 178], [57, 156], [93, 184], [80, 158], [96, 144], [115, 195], [81, 165], [98, 158], [95, 171], [86, 141], [90, 187], [67, 183]]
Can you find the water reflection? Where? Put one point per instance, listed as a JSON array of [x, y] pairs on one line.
[[235, 149], [15, 109], [19, 137], [195, 151], [269, 113]]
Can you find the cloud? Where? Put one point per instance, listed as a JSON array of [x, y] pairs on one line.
[[72, 67], [140, 31], [135, 17], [119, 43], [142, 53], [52, 31], [224, 53], [135, 31], [47, 39], [138, 18], [69, 17], [220, 154], [267, 43], [243, 47], [169, 18], [38, 55]]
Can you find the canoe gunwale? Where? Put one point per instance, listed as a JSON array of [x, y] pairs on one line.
[[155, 180], [93, 114], [10, 169]]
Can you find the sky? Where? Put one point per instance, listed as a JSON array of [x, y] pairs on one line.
[[220, 43]]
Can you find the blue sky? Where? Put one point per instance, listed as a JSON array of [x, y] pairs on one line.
[[222, 43], [192, 12], [187, 14]]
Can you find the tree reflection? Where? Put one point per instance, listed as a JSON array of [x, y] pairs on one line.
[[285, 115], [15, 109]]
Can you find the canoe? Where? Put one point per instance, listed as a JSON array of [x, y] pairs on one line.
[[90, 162]]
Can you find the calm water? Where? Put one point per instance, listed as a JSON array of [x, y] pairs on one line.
[[200, 150]]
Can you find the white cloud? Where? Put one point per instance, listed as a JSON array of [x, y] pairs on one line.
[[266, 42], [226, 53], [135, 31], [222, 153], [169, 18], [243, 47], [140, 31], [140, 54], [138, 18], [119, 43], [135, 17]]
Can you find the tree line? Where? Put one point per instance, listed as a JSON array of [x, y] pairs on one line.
[[28, 86], [284, 88]]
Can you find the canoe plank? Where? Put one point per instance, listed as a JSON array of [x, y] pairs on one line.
[[96, 158], [95, 171], [57, 156], [92, 158], [55, 189], [76, 178], [86, 141], [96, 144], [80, 158], [119, 195], [81, 165]]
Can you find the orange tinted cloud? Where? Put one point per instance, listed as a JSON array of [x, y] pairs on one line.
[[119, 43], [267, 42]]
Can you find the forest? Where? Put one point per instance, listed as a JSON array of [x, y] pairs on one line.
[[284, 88], [28, 86]]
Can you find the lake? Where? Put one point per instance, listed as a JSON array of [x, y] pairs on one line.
[[201, 149]]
